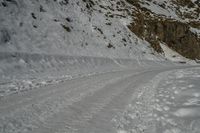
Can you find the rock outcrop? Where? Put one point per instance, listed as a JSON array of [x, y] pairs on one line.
[[174, 32]]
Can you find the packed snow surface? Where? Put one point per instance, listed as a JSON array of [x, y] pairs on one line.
[[168, 104]]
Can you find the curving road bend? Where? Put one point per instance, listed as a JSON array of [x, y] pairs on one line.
[[82, 105]]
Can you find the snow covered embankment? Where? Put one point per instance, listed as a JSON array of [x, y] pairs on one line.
[[22, 71]]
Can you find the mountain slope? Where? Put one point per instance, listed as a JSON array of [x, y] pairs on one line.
[[83, 27]]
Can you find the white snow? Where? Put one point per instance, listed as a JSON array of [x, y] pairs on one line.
[[30, 30], [121, 131], [187, 112], [171, 54], [166, 12], [168, 9], [195, 30]]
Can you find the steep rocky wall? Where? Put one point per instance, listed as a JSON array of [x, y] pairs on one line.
[[156, 30], [175, 34]]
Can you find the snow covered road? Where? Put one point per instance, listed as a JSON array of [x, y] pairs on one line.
[[91, 104]]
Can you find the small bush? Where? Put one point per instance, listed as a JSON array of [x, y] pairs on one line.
[[110, 46], [4, 4], [66, 28], [123, 39], [33, 16], [42, 9], [68, 19], [109, 23], [4, 36]]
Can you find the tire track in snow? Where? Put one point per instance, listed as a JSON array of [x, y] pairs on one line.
[[40, 108], [78, 115]]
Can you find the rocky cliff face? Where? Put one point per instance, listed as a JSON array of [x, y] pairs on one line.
[[168, 22]]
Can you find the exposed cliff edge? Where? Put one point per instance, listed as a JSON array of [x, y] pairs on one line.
[[174, 23]]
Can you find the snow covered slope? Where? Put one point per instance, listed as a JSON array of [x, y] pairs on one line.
[[81, 27], [181, 10]]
